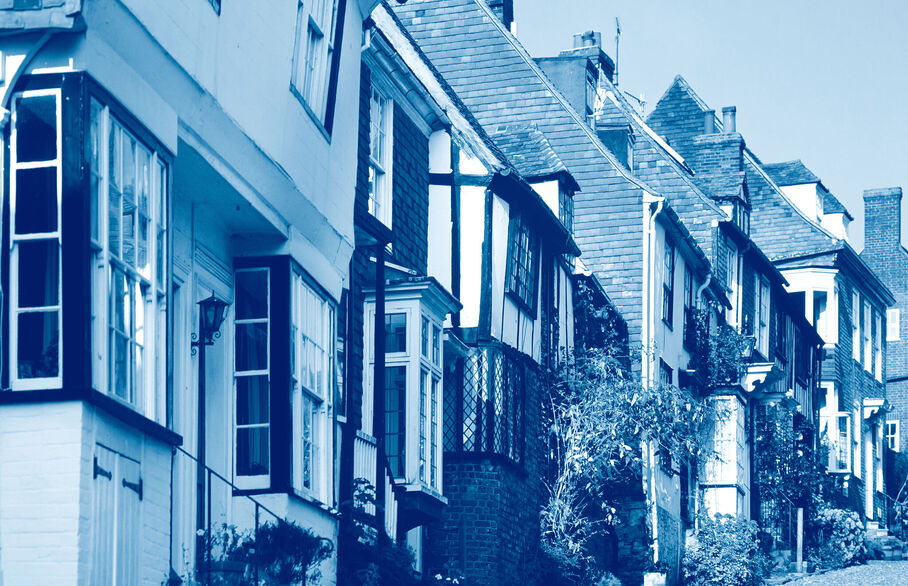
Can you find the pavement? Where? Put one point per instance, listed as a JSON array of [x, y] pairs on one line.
[[874, 573]]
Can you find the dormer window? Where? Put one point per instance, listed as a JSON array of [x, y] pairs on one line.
[[566, 209]]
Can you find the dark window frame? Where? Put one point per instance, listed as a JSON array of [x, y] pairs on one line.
[[668, 284], [523, 264]]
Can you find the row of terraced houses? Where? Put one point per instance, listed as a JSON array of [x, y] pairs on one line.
[[284, 246]]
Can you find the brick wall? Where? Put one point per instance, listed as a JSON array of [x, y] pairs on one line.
[[717, 153], [411, 193], [490, 529], [884, 253]]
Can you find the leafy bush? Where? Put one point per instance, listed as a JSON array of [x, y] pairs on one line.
[[726, 551], [839, 539], [279, 553]]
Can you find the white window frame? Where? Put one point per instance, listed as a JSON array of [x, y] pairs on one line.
[[762, 308], [312, 54], [831, 421], [318, 402], [256, 481], [381, 164], [148, 283], [893, 323], [893, 434], [865, 333], [424, 395], [855, 325], [18, 383], [731, 278], [878, 346]]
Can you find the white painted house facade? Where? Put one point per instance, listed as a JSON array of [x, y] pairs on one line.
[[156, 154]]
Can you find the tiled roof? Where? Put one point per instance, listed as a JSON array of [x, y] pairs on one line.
[[790, 173], [723, 185], [528, 150], [777, 226], [503, 85], [831, 205]]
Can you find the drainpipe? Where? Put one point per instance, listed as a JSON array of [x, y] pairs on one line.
[[378, 390], [648, 327], [706, 283]]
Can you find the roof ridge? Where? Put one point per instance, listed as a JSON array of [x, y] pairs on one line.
[[686, 177], [565, 104]]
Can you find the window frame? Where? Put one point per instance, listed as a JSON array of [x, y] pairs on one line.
[[762, 308], [856, 325], [866, 337], [877, 334], [893, 435], [893, 324], [254, 481], [668, 283], [316, 49], [18, 383], [731, 280], [518, 226], [381, 197]]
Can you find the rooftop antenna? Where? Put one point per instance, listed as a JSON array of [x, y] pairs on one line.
[[617, 40]]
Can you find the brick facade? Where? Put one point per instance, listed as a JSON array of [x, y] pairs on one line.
[[884, 252]]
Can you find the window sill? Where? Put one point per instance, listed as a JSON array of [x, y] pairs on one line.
[[312, 115]]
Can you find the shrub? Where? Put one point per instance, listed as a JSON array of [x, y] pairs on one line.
[[839, 539], [725, 551], [279, 553]]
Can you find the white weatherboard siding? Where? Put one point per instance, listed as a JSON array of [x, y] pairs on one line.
[[52, 504]]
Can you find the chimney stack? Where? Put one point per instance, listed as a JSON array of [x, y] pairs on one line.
[[504, 10], [882, 219], [728, 119], [709, 122], [588, 39]]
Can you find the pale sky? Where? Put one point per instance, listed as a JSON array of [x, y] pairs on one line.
[[824, 81]]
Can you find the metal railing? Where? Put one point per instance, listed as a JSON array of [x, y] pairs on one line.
[[213, 565]]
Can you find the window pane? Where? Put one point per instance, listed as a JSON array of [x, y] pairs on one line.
[[395, 332], [436, 344], [36, 129], [37, 345], [251, 346], [308, 438], [251, 294], [95, 140], [143, 182], [252, 451], [252, 400], [120, 365], [36, 200], [395, 416], [161, 216], [424, 337], [129, 200], [39, 272]]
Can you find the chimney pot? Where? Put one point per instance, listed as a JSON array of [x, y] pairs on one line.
[[587, 39], [709, 122], [728, 119]]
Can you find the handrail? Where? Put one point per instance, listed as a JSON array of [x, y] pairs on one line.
[[232, 485]]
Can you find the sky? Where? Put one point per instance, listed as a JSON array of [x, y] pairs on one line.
[[821, 81]]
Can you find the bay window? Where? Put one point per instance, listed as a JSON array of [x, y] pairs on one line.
[[284, 380], [87, 273], [414, 314]]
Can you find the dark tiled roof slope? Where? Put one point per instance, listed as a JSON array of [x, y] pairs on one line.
[[659, 168], [502, 85], [777, 227], [723, 185], [790, 173], [528, 150]]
